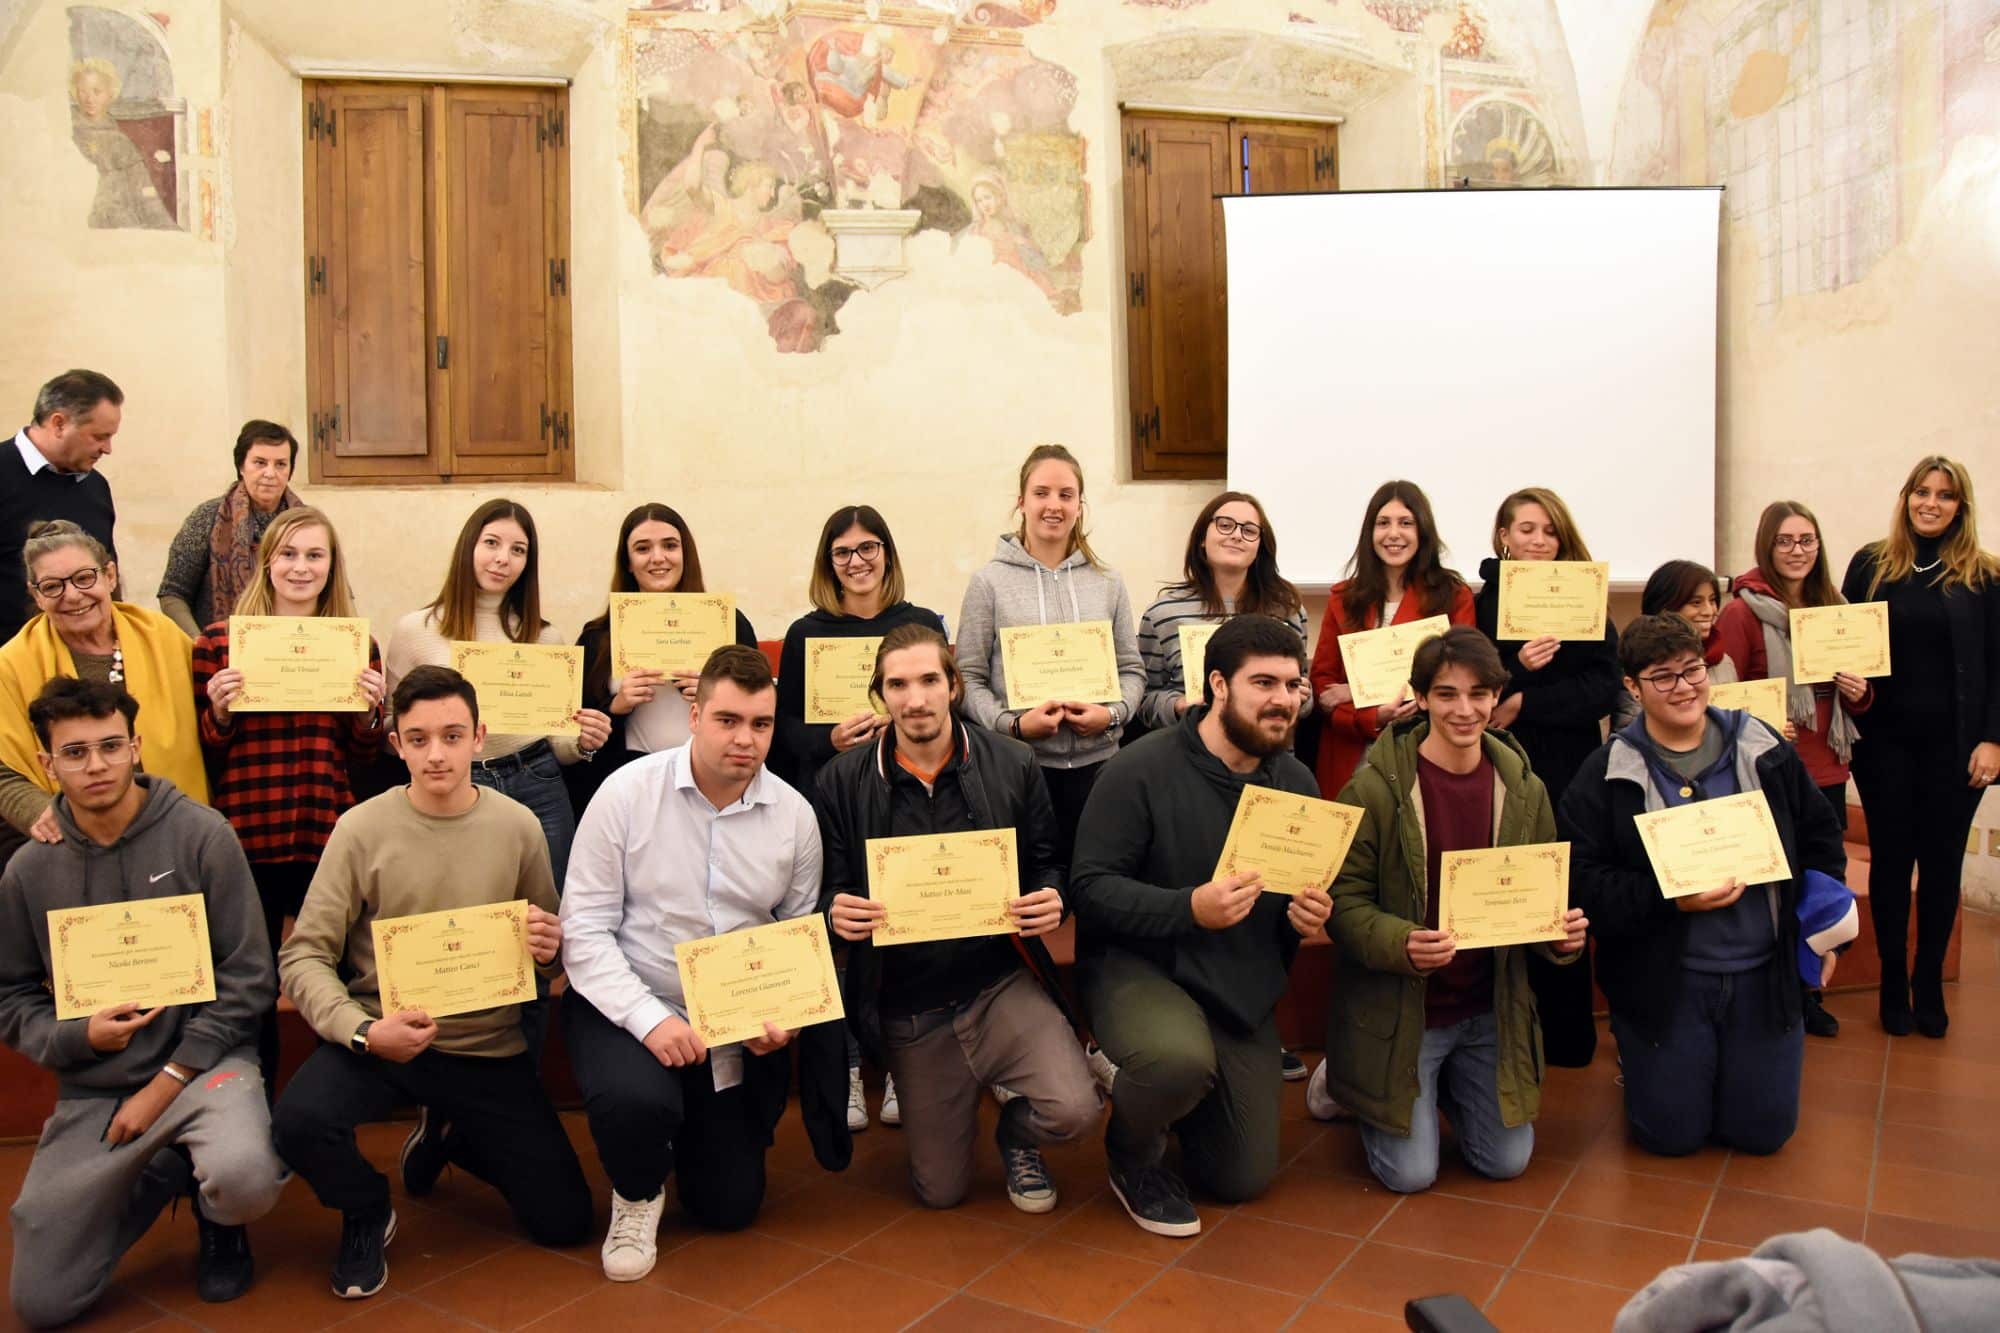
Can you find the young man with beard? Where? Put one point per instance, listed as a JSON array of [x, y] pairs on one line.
[[1181, 972], [952, 1017], [1417, 1021]]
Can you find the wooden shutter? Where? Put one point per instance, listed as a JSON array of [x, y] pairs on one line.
[[1289, 159]]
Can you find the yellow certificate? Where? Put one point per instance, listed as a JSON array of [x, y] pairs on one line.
[[1761, 699], [148, 952], [1704, 845], [455, 961], [1504, 895], [950, 887], [308, 664], [1075, 663], [1378, 660], [671, 632], [1566, 599], [1294, 842], [837, 676], [525, 689], [1194, 649], [1852, 637], [781, 973]]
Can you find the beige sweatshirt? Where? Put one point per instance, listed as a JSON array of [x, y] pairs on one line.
[[415, 641], [386, 859]]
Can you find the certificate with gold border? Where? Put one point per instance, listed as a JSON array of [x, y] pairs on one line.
[[1852, 637], [1703, 845], [781, 973], [525, 689], [1294, 842], [456, 961], [1495, 896], [299, 664], [950, 886], [1073, 662], [837, 675], [670, 632], [1563, 599], [1378, 660], [149, 951], [1762, 699], [1194, 638]]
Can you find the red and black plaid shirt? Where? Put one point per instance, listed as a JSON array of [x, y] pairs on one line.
[[281, 779]]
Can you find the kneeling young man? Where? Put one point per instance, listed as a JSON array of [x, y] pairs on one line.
[[148, 1102], [439, 843], [1704, 990], [1181, 972], [1416, 1019], [952, 1017]]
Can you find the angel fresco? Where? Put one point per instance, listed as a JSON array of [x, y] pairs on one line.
[[122, 120]]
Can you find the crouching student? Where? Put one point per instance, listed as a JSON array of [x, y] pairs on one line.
[[1419, 1023], [1704, 992], [440, 842], [151, 1104]]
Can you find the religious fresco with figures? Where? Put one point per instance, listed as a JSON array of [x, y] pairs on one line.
[[126, 120], [759, 142]]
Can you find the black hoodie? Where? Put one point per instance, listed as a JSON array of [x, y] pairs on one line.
[[803, 747]]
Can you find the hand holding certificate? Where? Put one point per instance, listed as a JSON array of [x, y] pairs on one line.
[[1293, 842], [1852, 637], [1505, 895], [1560, 599], [669, 632], [1378, 660], [455, 961], [525, 689], [837, 675], [147, 952], [1702, 846], [1074, 663], [1761, 699], [781, 974], [951, 887], [306, 664]]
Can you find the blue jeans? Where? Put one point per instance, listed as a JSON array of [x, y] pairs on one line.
[[1725, 1071], [534, 778], [1467, 1054]]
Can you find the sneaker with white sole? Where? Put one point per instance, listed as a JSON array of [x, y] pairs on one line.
[[1029, 1187], [1002, 1094], [1320, 1103], [892, 1111], [1290, 1067], [1101, 1067], [1156, 1199], [361, 1269], [857, 1103], [632, 1245]]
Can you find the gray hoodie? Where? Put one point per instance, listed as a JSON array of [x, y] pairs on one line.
[[174, 846], [1014, 588]]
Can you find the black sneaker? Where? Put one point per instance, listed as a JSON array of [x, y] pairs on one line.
[[1291, 1066], [222, 1263], [361, 1269], [1156, 1200], [1819, 1023], [424, 1154]]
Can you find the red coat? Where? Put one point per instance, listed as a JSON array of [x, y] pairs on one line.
[[1346, 732], [1742, 637]]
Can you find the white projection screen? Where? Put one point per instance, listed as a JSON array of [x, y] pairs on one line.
[[1474, 342]]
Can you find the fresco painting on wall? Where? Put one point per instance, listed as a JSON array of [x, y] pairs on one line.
[[1497, 142], [125, 119]]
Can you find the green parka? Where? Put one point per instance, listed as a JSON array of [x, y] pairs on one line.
[[1375, 1021]]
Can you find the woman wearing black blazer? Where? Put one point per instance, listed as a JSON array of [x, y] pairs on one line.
[[1931, 745]]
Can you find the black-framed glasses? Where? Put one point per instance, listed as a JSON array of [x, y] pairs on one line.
[[1225, 525], [866, 551], [50, 589], [1785, 541], [1664, 681], [113, 751]]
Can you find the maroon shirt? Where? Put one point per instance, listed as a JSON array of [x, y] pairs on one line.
[[1458, 817]]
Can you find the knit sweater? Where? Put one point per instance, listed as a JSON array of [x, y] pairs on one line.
[[185, 592], [26, 500], [415, 642]]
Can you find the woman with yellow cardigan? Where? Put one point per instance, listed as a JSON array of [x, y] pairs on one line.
[[81, 632]]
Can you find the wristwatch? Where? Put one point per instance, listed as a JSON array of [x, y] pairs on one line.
[[359, 1041]]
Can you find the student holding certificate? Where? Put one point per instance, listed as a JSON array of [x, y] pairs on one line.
[[647, 711], [1755, 629], [1181, 972], [1397, 575], [693, 842], [1464, 1038], [1554, 703], [493, 594], [1690, 590], [281, 778], [1932, 745], [1704, 988], [151, 1097], [439, 844], [1044, 573]]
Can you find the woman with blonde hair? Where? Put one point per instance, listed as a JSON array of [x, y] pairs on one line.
[[1932, 744]]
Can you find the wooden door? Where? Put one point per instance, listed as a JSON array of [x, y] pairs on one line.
[[1288, 159]]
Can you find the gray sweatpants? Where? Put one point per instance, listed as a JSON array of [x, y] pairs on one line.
[[79, 1210]]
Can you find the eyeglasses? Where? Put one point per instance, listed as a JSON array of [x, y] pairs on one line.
[[1249, 531], [1784, 541], [847, 555], [1664, 681], [75, 758], [50, 589]]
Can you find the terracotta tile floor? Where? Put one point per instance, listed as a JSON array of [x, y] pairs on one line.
[[1894, 1149]]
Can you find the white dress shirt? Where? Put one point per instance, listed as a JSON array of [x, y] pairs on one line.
[[35, 460]]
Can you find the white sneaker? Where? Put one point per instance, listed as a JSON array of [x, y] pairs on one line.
[[1320, 1104], [857, 1103], [1101, 1067], [892, 1113], [1002, 1094], [631, 1246]]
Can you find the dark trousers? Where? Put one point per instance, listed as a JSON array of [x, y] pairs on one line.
[[1919, 810], [1069, 788], [1725, 1072], [1563, 1000], [281, 889], [650, 1121], [502, 1129]]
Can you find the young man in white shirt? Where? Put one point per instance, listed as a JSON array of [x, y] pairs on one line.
[[683, 844]]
